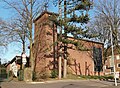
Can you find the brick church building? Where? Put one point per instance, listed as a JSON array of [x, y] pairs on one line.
[[46, 51]]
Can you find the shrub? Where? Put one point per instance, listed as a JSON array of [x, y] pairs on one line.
[[44, 75], [54, 73], [20, 75], [107, 77], [90, 77]]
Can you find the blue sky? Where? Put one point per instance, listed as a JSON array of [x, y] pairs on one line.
[[7, 53], [14, 48]]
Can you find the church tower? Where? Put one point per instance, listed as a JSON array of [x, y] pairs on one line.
[[45, 39]]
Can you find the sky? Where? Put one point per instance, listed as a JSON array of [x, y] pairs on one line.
[[13, 49], [7, 53]]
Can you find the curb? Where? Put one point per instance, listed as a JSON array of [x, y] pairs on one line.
[[55, 81]]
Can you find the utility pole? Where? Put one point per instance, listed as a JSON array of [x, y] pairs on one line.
[[114, 26], [113, 64]]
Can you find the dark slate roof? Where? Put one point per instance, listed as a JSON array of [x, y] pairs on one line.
[[19, 57]]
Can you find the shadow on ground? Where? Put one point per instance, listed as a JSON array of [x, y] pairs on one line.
[[71, 86]]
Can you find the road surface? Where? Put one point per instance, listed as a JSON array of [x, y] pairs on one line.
[[60, 84]]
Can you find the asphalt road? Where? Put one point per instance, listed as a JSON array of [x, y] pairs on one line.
[[60, 84]]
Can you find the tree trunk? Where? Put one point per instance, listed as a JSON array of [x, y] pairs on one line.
[[65, 68], [65, 45], [60, 57], [59, 65], [54, 52], [32, 61]]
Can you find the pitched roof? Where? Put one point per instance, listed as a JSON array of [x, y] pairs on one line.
[[82, 39], [18, 57]]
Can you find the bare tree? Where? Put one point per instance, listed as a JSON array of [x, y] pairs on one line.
[[107, 14], [19, 31], [4, 33], [2, 43], [27, 11]]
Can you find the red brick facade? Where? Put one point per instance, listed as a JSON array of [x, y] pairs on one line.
[[79, 62], [82, 61]]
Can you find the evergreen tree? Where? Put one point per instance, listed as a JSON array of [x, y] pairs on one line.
[[73, 20]]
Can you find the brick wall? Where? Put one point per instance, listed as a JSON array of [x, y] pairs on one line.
[[79, 62]]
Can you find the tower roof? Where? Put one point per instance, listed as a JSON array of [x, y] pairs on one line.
[[45, 12]]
